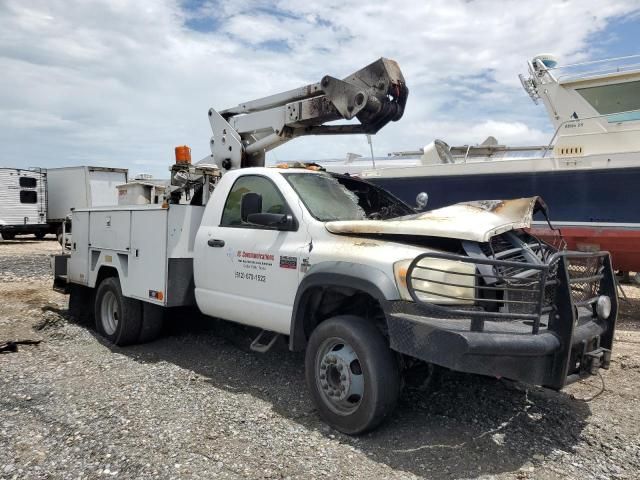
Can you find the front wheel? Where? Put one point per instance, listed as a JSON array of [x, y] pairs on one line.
[[351, 373], [118, 318]]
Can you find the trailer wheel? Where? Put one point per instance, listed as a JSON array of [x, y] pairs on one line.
[[351, 373], [39, 235], [118, 318]]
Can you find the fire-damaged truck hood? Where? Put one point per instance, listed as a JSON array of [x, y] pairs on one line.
[[477, 221]]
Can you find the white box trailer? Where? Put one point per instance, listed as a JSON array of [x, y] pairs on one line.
[[23, 202], [81, 187]]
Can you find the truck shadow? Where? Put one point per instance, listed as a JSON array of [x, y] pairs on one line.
[[468, 426]]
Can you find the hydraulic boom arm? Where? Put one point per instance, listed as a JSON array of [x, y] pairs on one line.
[[374, 95]]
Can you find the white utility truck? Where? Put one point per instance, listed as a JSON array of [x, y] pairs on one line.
[[341, 268]]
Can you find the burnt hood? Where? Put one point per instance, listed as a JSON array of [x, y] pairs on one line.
[[477, 221]]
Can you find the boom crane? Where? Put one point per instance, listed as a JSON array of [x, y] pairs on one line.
[[374, 95]]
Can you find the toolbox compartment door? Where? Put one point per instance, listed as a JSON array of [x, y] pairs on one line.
[[109, 229], [79, 260], [148, 256]]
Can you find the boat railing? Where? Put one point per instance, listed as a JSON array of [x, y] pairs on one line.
[[599, 126], [596, 68]]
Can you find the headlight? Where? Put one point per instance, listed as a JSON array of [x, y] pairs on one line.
[[443, 282], [603, 307]]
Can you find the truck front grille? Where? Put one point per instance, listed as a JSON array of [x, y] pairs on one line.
[[516, 278], [585, 274]]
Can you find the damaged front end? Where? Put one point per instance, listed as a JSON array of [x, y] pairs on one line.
[[520, 309], [506, 304]]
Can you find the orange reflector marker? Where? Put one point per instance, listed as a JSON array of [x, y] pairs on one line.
[[402, 276], [156, 294]]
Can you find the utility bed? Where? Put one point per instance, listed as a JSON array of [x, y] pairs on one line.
[[149, 246]]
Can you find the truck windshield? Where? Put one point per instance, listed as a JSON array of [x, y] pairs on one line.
[[325, 198]]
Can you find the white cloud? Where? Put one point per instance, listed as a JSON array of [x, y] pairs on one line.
[[122, 82], [473, 133]]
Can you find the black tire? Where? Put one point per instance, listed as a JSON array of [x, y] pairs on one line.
[[378, 367], [152, 322], [8, 236], [39, 235], [81, 301], [118, 318]]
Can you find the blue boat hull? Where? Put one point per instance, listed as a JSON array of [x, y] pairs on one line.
[[589, 196]]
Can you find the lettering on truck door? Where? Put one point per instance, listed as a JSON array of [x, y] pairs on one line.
[[254, 269]]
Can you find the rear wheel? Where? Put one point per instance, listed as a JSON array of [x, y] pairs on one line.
[[118, 318], [39, 235], [351, 373]]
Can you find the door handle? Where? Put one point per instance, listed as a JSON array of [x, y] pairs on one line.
[[215, 243]]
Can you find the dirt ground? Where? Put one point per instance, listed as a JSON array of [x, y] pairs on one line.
[[199, 404]]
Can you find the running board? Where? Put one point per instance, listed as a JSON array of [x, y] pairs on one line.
[[264, 341]]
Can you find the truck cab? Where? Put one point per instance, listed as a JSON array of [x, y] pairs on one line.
[[267, 234]]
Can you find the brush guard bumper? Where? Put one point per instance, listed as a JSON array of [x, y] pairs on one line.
[[535, 322]]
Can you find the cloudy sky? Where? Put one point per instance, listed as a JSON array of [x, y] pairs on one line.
[[120, 83]]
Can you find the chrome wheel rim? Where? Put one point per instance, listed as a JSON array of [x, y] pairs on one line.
[[339, 376], [109, 313]]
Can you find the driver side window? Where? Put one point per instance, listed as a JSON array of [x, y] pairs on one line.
[[272, 200]]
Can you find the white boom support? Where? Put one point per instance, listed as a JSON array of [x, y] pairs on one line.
[[374, 95]]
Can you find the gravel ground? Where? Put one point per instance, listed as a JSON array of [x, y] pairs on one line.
[[199, 404]]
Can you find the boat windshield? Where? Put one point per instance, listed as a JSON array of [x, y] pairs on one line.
[[325, 198], [620, 101]]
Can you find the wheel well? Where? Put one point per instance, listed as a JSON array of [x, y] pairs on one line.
[[321, 302], [105, 272]]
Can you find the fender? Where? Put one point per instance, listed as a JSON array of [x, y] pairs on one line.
[[341, 274], [113, 259]]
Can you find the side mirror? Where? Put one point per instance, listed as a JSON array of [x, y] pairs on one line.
[[421, 200], [250, 204], [281, 221]]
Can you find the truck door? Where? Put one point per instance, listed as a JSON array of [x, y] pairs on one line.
[[249, 273]]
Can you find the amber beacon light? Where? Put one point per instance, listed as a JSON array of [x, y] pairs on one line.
[[183, 154]]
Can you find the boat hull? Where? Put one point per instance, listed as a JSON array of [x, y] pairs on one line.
[[623, 244], [595, 208]]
